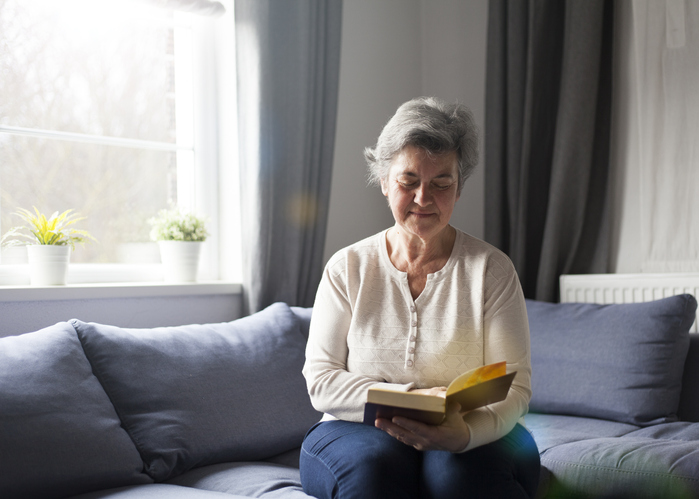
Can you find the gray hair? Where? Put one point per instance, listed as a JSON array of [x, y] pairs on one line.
[[431, 124]]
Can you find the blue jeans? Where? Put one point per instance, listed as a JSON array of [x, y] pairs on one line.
[[347, 460]]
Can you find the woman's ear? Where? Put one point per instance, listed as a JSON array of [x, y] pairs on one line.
[[384, 186]]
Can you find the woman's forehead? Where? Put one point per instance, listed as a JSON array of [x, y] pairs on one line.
[[417, 161]]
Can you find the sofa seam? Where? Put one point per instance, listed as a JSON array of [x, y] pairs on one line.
[[628, 472], [134, 440]]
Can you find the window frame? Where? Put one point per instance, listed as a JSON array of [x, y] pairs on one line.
[[206, 36]]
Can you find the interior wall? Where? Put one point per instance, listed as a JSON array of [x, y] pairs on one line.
[[379, 70], [140, 312], [392, 51], [454, 44]]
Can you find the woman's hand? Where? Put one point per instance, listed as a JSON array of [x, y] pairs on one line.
[[452, 435]]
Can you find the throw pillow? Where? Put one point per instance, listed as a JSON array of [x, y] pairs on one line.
[[620, 362], [59, 433], [203, 394]]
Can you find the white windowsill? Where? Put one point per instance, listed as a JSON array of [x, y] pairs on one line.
[[116, 290], [96, 281]]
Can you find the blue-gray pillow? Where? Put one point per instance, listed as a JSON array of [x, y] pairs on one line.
[[304, 316], [59, 433], [621, 362], [203, 394]]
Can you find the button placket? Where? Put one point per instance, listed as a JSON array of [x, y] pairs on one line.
[[412, 338]]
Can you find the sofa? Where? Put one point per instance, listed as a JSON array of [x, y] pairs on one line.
[[199, 411], [220, 410], [615, 404]]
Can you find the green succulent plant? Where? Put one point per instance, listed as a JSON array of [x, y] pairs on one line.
[[175, 224], [55, 230]]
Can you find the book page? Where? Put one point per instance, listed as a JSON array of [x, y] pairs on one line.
[[406, 399], [477, 375]]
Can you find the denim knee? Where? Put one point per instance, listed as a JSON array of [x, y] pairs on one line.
[[352, 460], [508, 468]]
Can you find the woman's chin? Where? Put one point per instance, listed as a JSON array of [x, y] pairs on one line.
[[424, 228]]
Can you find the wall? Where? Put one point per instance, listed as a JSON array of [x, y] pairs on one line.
[[454, 36], [392, 51], [28, 309]]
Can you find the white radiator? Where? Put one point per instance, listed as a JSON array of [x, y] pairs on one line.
[[627, 288]]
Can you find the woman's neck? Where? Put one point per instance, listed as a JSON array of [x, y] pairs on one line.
[[408, 250]]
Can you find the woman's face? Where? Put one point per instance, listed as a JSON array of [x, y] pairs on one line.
[[422, 190]]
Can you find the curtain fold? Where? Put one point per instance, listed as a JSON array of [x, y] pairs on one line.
[[548, 114], [288, 73], [664, 43]]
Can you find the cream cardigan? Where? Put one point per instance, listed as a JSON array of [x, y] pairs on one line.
[[366, 330]]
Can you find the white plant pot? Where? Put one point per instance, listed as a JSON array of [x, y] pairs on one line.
[[180, 260], [48, 265]]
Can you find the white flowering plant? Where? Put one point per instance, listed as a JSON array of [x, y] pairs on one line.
[[175, 224]]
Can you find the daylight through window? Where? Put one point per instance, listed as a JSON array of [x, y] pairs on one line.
[[96, 114]]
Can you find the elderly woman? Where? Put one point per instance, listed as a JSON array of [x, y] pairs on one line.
[[411, 308]]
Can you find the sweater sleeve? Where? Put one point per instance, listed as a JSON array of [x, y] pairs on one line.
[[506, 336], [332, 388]]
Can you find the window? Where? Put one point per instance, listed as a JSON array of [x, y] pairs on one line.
[[99, 108]]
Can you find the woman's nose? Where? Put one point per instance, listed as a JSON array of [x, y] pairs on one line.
[[423, 197]]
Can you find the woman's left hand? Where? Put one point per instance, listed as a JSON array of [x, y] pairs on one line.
[[452, 435]]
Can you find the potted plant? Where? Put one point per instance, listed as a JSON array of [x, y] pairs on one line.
[[49, 243], [180, 235]]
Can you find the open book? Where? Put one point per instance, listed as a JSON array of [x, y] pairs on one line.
[[472, 389]]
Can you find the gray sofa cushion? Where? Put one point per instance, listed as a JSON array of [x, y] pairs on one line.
[[157, 491], [550, 430], [624, 467], [252, 479], [59, 433], [203, 394], [289, 458], [304, 316], [619, 362]]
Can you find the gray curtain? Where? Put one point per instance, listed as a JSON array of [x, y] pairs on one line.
[[548, 113], [288, 67]]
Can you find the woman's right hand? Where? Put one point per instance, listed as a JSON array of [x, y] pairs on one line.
[[452, 435]]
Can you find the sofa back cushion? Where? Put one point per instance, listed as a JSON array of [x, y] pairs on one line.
[[202, 394], [621, 362], [304, 316], [59, 433]]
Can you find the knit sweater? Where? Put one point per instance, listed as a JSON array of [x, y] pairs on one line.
[[366, 330]]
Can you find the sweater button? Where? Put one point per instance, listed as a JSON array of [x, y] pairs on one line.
[[414, 323], [409, 363]]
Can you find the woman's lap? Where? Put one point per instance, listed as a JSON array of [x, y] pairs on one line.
[[342, 459], [352, 460]]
